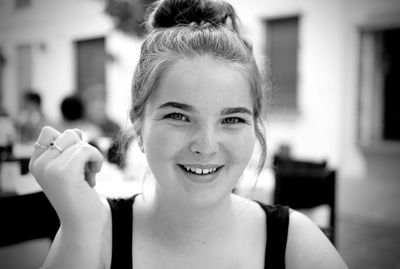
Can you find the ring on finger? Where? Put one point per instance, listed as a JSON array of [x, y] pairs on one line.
[[53, 145], [37, 145]]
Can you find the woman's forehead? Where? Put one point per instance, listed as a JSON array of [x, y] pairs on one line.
[[203, 79]]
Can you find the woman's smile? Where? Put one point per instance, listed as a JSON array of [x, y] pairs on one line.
[[201, 173]]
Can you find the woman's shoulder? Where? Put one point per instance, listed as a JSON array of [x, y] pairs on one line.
[[306, 239], [107, 239], [272, 209], [119, 219], [261, 210], [252, 208], [302, 237]]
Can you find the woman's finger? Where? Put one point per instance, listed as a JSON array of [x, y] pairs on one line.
[[61, 143], [86, 158], [55, 149], [79, 133], [47, 134]]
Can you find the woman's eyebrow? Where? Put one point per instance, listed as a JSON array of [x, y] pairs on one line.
[[177, 105], [192, 109], [235, 110]]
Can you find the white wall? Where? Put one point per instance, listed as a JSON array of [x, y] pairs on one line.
[[119, 75], [51, 27], [313, 132]]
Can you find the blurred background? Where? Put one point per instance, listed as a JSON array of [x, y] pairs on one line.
[[335, 72]]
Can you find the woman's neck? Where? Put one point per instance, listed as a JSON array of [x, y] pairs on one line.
[[184, 223]]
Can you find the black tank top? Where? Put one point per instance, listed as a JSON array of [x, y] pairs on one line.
[[122, 221]]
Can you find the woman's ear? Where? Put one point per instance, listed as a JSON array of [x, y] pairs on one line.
[[140, 143]]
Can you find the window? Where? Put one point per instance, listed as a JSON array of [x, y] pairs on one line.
[[90, 62], [24, 70], [2, 64], [282, 53], [391, 86], [379, 95], [22, 3]]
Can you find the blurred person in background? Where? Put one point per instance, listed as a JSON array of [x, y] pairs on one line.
[[30, 119], [7, 134], [72, 111], [94, 100]]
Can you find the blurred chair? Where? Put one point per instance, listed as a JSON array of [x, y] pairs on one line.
[[304, 185], [26, 217], [28, 224]]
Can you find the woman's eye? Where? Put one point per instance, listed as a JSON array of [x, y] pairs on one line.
[[177, 116], [232, 120]]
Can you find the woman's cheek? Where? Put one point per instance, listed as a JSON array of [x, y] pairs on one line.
[[163, 142], [243, 146]]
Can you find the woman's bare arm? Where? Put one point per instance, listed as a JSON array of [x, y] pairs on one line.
[[307, 246], [66, 172]]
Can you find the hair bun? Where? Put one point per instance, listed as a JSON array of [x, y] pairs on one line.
[[169, 13]]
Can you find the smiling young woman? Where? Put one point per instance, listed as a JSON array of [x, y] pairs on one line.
[[197, 101]]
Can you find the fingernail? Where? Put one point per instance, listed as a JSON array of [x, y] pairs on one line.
[[79, 133]]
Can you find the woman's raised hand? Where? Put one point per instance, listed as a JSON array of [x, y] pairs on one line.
[[65, 168]]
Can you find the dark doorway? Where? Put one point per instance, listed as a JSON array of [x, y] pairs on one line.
[[391, 97]]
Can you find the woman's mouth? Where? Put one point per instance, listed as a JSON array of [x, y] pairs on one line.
[[200, 171]]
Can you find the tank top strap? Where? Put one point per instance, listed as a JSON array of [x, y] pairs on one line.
[[122, 223], [277, 232]]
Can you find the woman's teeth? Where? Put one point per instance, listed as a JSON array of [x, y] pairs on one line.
[[199, 171]]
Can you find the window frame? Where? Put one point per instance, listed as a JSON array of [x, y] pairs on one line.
[[370, 94]]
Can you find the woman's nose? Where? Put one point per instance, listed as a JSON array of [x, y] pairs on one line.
[[205, 142]]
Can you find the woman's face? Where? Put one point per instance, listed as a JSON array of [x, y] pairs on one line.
[[198, 130]]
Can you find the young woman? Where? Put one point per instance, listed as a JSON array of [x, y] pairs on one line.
[[197, 104]]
